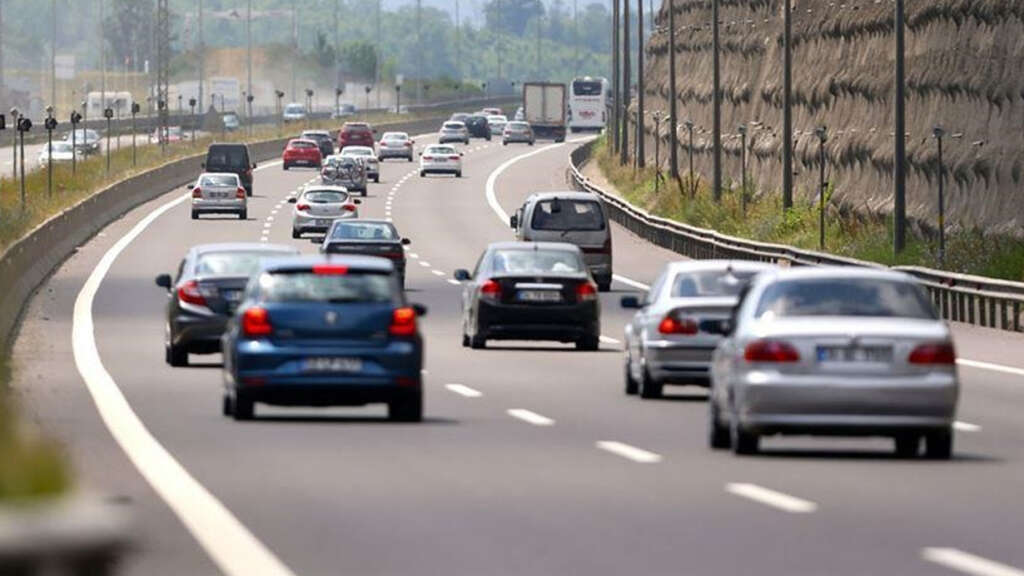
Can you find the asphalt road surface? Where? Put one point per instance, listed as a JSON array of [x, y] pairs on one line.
[[531, 460]]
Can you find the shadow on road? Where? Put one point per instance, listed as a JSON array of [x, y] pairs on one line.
[[350, 419]]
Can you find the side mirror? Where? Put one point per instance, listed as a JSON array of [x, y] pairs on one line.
[[292, 200], [463, 275], [421, 153], [406, 241], [461, 154], [513, 221], [420, 309], [630, 303], [164, 281], [357, 201]]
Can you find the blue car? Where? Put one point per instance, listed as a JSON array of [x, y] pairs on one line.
[[324, 331]]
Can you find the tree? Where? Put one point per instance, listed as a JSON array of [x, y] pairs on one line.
[[323, 52], [359, 60], [512, 16], [128, 31]]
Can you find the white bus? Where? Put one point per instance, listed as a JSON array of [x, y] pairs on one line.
[[588, 104]]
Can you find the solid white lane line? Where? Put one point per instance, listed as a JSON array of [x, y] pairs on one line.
[[966, 426], [609, 340], [531, 417], [990, 366], [464, 390], [424, 263], [968, 563], [231, 546], [628, 452], [454, 282], [413, 255], [769, 497], [630, 282], [438, 273], [492, 180]]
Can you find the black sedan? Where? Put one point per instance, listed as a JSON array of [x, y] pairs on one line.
[[478, 127], [209, 285], [530, 291], [368, 238]]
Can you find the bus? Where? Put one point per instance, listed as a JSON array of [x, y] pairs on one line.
[[588, 104]]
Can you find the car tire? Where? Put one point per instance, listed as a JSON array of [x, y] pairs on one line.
[[589, 343], [195, 215], [176, 356], [243, 408], [649, 387], [719, 436], [243, 215], [296, 234], [362, 192], [632, 386], [531, 142], [458, 174], [477, 342], [376, 179], [284, 166], [465, 340], [939, 445], [410, 157], [907, 445], [227, 405], [604, 286], [423, 173], [409, 408], [743, 442]]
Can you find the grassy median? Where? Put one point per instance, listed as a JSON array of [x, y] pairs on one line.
[[847, 232]]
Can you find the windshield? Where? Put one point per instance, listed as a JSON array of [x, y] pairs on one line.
[[324, 196], [710, 283], [363, 231], [337, 288], [441, 150], [868, 297], [60, 147], [536, 261], [236, 263], [586, 88], [559, 214], [226, 157], [215, 180], [302, 144]]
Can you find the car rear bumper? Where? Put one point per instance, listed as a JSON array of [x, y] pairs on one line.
[[199, 334], [301, 161], [444, 168], [560, 323], [517, 138], [672, 363], [219, 206], [395, 153]]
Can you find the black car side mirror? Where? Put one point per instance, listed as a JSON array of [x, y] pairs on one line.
[[292, 200], [513, 221], [357, 201], [164, 281], [462, 275], [406, 241], [420, 309], [630, 303]]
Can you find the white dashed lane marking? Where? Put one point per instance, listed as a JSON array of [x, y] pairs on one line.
[[465, 391], [530, 417], [628, 452], [772, 498], [968, 563]]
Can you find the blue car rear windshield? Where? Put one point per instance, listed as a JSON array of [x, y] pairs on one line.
[[861, 297], [363, 231], [335, 288], [233, 263]]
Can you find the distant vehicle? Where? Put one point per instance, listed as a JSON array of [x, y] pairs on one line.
[[86, 141], [344, 111], [453, 132], [323, 139], [331, 330], [668, 340], [294, 112], [318, 206], [344, 171], [459, 117], [366, 155], [517, 132], [478, 127], [544, 106], [520, 114], [839, 352], [231, 122], [234, 158], [173, 135], [63, 152], [300, 152], [368, 238], [443, 159], [575, 217], [530, 291], [396, 145], [497, 123], [491, 112], [219, 193], [209, 285], [355, 134], [588, 104]]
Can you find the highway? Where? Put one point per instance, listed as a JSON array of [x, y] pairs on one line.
[[531, 460]]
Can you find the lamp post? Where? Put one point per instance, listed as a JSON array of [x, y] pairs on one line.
[[899, 142], [248, 100], [75, 119], [367, 89], [309, 107], [135, 111], [689, 151], [192, 107], [743, 163], [939, 133], [822, 134], [24, 125], [108, 113], [280, 119], [50, 125], [716, 128], [657, 149]]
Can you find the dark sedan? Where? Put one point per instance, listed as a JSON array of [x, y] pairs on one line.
[[368, 238], [478, 127], [325, 331], [208, 287], [530, 291]]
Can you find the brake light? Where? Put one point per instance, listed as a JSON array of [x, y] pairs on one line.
[[453, 157], [197, 192], [256, 322], [393, 255], [330, 270], [302, 207], [491, 290], [240, 193], [942, 353], [350, 207], [586, 292], [428, 158], [189, 293], [682, 326], [403, 322], [771, 351]]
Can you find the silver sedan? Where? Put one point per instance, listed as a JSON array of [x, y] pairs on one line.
[[835, 351], [317, 207], [668, 340]]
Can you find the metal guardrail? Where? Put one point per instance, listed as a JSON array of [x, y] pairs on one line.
[[958, 297]]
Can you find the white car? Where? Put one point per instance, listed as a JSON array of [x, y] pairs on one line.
[[318, 206], [497, 124], [62, 152], [294, 112], [441, 158], [219, 193], [368, 157], [453, 132]]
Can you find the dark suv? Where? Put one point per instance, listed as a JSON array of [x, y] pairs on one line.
[[478, 127], [231, 158], [355, 134]]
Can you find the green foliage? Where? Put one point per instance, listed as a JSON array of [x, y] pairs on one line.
[[359, 60]]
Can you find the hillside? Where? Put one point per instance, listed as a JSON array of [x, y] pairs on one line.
[[965, 72]]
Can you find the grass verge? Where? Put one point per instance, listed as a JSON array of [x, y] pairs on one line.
[[847, 232]]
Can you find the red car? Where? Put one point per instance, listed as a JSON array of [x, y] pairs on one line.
[[355, 134], [300, 152]]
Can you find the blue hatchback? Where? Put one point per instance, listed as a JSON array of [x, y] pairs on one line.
[[324, 331]]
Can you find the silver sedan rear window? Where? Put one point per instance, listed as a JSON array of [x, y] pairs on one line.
[[860, 297]]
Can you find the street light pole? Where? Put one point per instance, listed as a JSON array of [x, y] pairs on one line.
[[192, 107], [822, 134], [716, 128], [24, 125], [248, 55], [50, 124], [672, 117], [135, 111], [616, 81], [899, 156], [939, 133], [689, 149], [787, 107], [627, 78], [640, 137], [743, 163], [108, 113]]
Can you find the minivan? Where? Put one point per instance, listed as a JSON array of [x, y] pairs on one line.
[[233, 158], [578, 218]]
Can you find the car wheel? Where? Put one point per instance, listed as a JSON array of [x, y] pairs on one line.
[[649, 387], [243, 215], [423, 173], [243, 407], [176, 356], [477, 341], [531, 142], [743, 441], [284, 166], [604, 286], [465, 340], [407, 409], [195, 215], [458, 174], [939, 445], [376, 179], [362, 192], [632, 386], [908, 445], [589, 343], [718, 435], [410, 157], [227, 406], [248, 192]]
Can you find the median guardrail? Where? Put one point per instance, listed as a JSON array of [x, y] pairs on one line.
[[958, 297]]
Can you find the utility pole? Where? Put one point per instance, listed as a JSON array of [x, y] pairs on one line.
[[380, 56], [787, 107], [499, 26], [163, 66], [458, 45], [248, 56], [419, 53], [672, 116], [575, 40], [627, 78], [640, 137], [53, 54], [103, 63], [295, 49], [717, 121], [540, 22], [900, 152], [616, 92]]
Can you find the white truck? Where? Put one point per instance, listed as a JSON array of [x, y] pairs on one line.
[[544, 108]]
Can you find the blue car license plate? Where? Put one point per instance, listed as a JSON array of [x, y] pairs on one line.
[[332, 365]]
